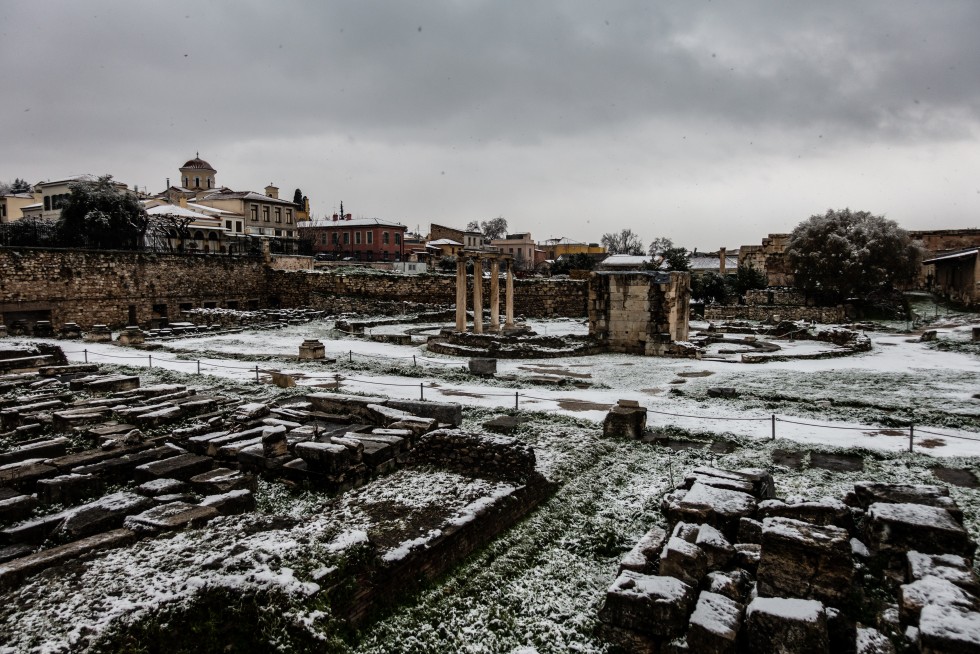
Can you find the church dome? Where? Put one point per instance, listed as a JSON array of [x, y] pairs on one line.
[[198, 163]]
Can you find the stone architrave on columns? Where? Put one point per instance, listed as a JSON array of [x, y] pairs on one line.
[[495, 295], [477, 295], [460, 293]]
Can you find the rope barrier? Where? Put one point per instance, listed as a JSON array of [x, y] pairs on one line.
[[934, 433]]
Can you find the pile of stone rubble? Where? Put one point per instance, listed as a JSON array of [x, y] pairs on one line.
[[888, 568]]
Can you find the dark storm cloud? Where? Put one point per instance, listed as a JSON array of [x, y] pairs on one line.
[[621, 95]]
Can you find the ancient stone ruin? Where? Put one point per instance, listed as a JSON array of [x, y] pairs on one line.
[[887, 569], [641, 312]]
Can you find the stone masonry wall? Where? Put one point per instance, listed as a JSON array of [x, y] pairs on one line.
[[89, 287], [117, 288], [639, 312], [532, 297], [775, 313]]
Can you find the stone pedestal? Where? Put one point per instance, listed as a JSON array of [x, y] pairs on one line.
[[43, 329], [312, 349], [98, 334], [626, 419], [132, 335], [483, 367], [71, 330]]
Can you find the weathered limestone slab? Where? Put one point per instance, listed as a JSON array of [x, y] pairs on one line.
[[69, 369], [483, 367], [65, 420], [645, 555], [893, 529], [16, 508], [223, 480], [161, 486], [653, 605], [103, 514], [69, 489], [274, 442], [945, 629], [106, 384], [945, 566], [717, 549], [625, 422], [169, 517], [385, 415], [158, 417], [251, 411], [200, 442], [449, 413], [781, 624], [14, 572], [826, 511], [121, 468], [47, 448], [355, 446], [23, 474], [182, 466], [683, 560], [232, 502], [714, 624], [342, 404], [805, 561], [871, 641], [913, 597], [327, 457], [719, 507], [755, 481], [869, 492], [416, 424], [733, 584], [98, 334]]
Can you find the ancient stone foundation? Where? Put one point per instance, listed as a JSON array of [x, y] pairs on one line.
[[889, 568]]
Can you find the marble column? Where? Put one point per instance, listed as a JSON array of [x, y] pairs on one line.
[[495, 295], [460, 294], [477, 295], [509, 296]]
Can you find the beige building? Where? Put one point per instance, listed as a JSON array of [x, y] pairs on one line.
[[520, 246], [12, 206]]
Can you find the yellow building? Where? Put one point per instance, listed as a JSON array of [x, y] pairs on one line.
[[557, 247], [12, 206]]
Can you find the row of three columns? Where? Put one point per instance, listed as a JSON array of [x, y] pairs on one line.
[[478, 294]]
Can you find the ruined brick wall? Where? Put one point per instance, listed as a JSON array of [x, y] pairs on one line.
[[767, 312], [331, 291], [769, 258], [89, 287], [639, 312], [290, 262], [775, 296]]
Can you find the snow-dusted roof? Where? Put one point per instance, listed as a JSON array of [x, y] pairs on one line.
[[177, 210], [210, 210], [955, 255], [443, 241], [22, 196], [354, 222], [227, 194], [625, 260], [705, 262]]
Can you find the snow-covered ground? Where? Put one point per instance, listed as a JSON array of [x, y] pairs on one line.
[[865, 400]]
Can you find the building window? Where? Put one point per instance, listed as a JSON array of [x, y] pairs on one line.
[[370, 238], [210, 182], [47, 203], [346, 238], [228, 225], [357, 238], [255, 213], [323, 238], [384, 255], [336, 238], [384, 238], [398, 239], [186, 182], [265, 214], [238, 226], [278, 214], [289, 216]]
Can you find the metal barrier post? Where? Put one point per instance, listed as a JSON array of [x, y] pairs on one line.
[[86, 355], [150, 357], [414, 362], [774, 426], [256, 373], [199, 366], [516, 395], [351, 355], [422, 390], [911, 435]]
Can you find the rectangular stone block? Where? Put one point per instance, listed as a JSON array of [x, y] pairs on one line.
[[653, 605], [14, 572], [327, 457], [715, 624], [894, 529]]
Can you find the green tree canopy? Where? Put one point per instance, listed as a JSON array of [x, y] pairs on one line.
[[844, 253], [677, 259], [298, 197], [568, 262], [98, 214], [746, 278]]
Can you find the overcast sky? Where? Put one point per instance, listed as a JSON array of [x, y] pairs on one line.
[[712, 123]]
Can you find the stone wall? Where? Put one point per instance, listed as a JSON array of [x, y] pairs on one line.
[[532, 297], [775, 296], [118, 288], [775, 313], [481, 455], [639, 312], [769, 258]]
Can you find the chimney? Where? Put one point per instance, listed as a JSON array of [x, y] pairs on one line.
[[348, 216], [721, 257], [182, 200], [336, 217], [272, 191]]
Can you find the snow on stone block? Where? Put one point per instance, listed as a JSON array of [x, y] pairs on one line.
[[733, 584], [825, 511], [15, 571], [945, 566], [872, 641], [625, 422], [714, 624], [870, 492], [327, 457], [251, 411], [683, 560], [894, 529], [182, 466], [652, 605], [223, 480], [415, 424], [948, 630], [913, 597], [719, 507], [781, 624], [232, 502], [449, 413], [104, 514], [168, 517], [385, 415], [68, 489], [805, 561], [645, 555], [717, 548]]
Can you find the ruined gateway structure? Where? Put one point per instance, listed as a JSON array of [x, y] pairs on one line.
[[640, 312]]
